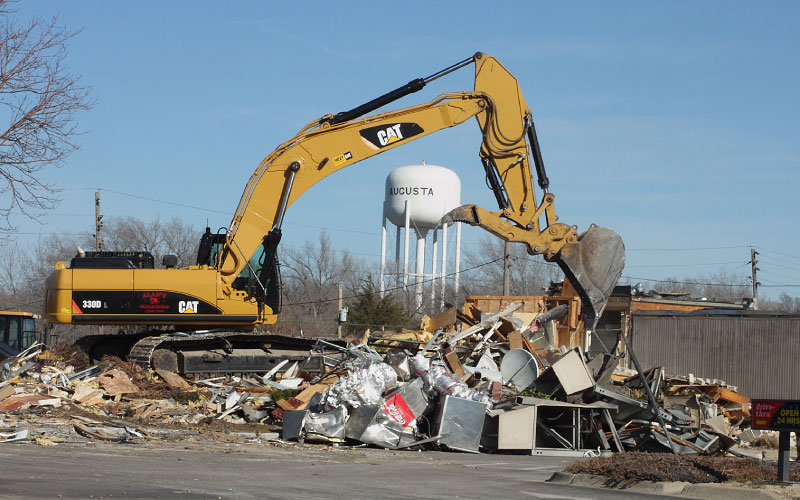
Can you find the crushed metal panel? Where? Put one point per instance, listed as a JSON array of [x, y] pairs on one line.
[[572, 372], [371, 425], [328, 426], [460, 422], [519, 368], [293, 423]]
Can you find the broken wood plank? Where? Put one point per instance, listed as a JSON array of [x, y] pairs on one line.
[[309, 392], [93, 433], [7, 391], [116, 382], [173, 379], [515, 340], [16, 401], [87, 395], [532, 349], [485, 323], [445, 320], [452, 362]]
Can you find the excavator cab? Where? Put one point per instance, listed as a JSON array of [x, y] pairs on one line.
[[259, 281], [17, 332]]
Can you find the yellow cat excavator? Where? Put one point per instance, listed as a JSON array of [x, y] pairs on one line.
[[236, 284]]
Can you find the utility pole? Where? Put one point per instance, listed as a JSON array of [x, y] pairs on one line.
[[341, 320], [98, 241], [753, 263], [507, 269]]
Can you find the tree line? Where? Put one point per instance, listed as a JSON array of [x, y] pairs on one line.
[[314, 274]]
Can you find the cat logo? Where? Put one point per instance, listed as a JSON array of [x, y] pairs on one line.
[[188, 306], [386, 135]]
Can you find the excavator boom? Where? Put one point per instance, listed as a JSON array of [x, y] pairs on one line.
[[236, 283]]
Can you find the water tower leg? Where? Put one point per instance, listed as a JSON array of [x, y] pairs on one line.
[[444, 265], [383, 257], [435, 254], [405, 255], [419, 274], [397, 241], [458, 256]]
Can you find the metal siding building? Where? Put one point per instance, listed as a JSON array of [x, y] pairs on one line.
[[758, 353]]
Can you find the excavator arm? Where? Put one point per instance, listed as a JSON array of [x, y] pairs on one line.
[[212, 294], [509, 153]]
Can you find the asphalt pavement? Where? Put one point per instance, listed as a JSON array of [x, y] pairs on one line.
[[265, 470]]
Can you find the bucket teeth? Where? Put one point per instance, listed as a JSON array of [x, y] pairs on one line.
[[464, 213]]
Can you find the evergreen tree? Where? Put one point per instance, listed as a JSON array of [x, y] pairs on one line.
[[371, 311]]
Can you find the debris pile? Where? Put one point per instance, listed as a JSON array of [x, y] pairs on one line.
[[501, 384], [43, 399], [467, 381]]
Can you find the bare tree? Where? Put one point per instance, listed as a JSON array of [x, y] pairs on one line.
[[155, 236], [720, 285], [311, 278], [40, 99], [688, 286], [786, 303], [529, 275], [24, 270]]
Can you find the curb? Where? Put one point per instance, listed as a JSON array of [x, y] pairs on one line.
[[707, 491]]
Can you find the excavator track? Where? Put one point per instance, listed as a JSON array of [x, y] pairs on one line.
[[142, 351], [215, 353]]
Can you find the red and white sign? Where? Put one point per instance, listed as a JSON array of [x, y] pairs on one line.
[[398, 409]]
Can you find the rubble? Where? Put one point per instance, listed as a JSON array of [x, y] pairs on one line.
[[471, 389], [496, 382]]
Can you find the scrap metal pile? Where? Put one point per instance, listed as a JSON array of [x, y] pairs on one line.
[[498, 385], [470, 382]]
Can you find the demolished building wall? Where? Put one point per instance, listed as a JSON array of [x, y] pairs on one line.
[[751, 350]]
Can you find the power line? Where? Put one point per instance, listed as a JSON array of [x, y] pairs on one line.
[[229, 214], [777, 252], [773, 259], [778, 265], [781, 275], [689, 265], [167, 202], [400, 287], [657, 280], [682, 249], [334, 250]]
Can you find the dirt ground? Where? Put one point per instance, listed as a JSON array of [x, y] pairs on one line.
[[630, 467]]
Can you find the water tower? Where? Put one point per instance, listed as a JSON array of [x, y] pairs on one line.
[[417, 197]]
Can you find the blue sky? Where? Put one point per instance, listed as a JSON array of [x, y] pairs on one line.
[[674, 123]]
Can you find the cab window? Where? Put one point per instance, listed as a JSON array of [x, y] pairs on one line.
[[13, 333]]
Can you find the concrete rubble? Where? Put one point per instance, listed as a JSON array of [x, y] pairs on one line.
[[464, 381]]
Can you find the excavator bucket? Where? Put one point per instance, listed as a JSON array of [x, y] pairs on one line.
[[593, 265]]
